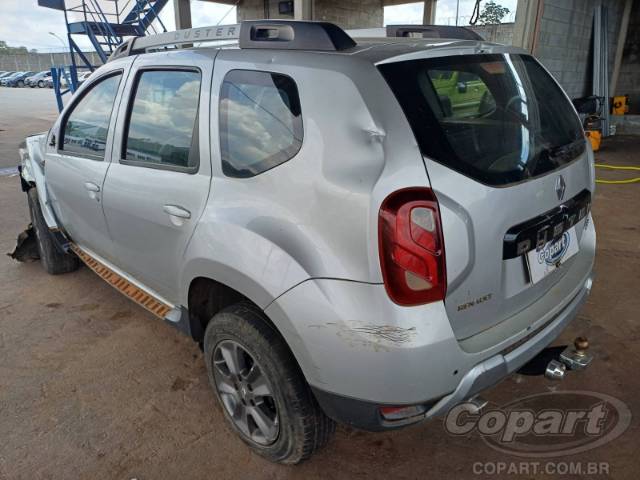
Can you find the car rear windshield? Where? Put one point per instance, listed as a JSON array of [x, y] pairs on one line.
[[498, 119]]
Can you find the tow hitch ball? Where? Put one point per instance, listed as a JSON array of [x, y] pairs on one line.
[[573, 357]]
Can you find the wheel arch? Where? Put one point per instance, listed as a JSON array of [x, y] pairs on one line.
[[207, 294], [234, 264], [205, 298]]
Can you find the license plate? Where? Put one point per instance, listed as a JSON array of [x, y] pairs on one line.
[[545, 260]]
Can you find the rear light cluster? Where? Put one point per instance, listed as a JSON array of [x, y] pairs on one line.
[[411, 247]]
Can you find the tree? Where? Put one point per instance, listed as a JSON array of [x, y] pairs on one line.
[[4, 48], [492, 13]]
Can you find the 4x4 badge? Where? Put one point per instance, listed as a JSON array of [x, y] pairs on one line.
[[560, 187]]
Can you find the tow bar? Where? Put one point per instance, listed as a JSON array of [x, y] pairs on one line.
[[573, 357]]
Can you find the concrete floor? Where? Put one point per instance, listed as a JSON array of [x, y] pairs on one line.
[[23, 112], [92, 386]]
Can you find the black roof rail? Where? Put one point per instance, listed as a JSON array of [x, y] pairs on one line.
[[432, 31], [274, 34], [293, 35]]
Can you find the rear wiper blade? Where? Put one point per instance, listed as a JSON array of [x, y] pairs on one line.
[[566, 152]]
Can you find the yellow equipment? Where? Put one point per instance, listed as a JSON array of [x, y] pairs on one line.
[[595, 137], [620, 105]]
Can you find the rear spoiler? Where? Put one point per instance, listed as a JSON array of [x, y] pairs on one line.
[[420, 31], [432, 31]]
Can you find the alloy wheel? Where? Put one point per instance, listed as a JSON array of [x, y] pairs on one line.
[[245, 392]]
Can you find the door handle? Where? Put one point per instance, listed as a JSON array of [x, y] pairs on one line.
[[91, 187], [176, 211]]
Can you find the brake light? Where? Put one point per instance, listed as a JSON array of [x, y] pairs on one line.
[[411, 247]]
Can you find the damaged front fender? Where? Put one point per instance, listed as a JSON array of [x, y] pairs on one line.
[[32, 164]]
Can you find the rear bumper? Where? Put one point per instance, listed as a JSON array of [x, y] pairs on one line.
[[358, 350], [365, 415], [491, 371]]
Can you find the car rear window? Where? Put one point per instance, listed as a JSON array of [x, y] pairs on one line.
[[498, 119]]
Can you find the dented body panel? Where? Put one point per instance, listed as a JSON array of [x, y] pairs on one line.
[[32, 164]]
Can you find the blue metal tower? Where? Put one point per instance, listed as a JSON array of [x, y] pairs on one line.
[[106, 23]]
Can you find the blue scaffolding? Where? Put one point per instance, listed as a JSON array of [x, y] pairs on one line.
[[105, 23]]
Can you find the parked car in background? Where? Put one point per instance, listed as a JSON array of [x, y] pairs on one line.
[[5, 75], [17, 80], [6, 78], [83, 76], [38, 80], [49, 82]]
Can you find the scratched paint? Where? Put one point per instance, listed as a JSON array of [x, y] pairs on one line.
[[389, 332]]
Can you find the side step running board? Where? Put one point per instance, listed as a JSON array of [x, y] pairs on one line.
[[124, 286]]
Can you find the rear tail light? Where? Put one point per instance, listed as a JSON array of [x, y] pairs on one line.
[[411, 247]]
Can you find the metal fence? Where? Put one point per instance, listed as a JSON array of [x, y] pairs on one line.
[[463, 20], [499, 33], [37, 62]]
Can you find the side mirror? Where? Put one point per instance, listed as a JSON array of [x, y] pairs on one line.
[[53, 136], [462, 87]]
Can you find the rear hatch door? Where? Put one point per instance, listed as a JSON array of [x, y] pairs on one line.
[[507, 159]]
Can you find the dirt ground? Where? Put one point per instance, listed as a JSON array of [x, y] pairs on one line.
[[92, 386]]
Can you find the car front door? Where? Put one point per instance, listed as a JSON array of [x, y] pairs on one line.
[[77, 159], [158, 183]]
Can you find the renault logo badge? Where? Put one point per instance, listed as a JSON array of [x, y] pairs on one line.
[[560, 187]]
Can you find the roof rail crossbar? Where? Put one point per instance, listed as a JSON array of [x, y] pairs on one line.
[[178, 37], [432, 31], [189, 35], [294, 35], [274, 34]]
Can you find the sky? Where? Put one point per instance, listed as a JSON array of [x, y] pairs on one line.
[[25, 24]]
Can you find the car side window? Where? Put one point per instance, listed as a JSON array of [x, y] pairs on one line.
[[260, 122], [162, 126], [86, 127]]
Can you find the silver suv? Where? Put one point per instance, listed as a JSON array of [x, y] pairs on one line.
[[367, 232]]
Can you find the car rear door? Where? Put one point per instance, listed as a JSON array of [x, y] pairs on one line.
[[512, 176], [77, 158], [158, 183]]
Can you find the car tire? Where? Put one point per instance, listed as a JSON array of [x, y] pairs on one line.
[[40, 84], [302, 426], [53, 260], [20, 84]]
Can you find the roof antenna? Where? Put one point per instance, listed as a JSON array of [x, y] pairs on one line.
[[476, 13], [228, 12]]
